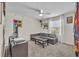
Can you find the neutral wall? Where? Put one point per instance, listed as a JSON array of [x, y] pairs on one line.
[[68, 29], [1, 38], [1, 34], [30, 26], [1, 28]]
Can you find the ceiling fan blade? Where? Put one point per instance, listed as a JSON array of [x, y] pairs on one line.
[[46, 13], [29, 7], [40, 11]]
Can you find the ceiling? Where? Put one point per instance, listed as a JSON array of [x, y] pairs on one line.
[[55, 8]]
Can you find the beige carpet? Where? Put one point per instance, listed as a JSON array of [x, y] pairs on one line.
[[57, 50]]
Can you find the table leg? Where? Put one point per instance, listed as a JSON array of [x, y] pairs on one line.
[[43, 44], [47, 42], [35, 41]]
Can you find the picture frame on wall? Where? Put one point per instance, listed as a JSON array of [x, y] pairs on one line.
[[69, 19], [0, 12]]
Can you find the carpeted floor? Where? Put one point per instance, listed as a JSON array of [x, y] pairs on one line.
[[57, 50], [34, 50]]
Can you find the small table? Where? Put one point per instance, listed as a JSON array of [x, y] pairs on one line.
[[42, 41]]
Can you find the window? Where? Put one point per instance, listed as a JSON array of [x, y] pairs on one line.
[[55, 27]]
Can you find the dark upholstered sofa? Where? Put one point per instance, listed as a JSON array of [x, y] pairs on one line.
[[52, 38]]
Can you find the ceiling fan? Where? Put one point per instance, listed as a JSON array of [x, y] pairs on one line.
[[40, 11]]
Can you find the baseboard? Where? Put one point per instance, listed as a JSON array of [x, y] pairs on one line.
[[6, 51], [66, 43]]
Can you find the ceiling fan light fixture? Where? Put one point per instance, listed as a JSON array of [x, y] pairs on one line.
[[40, 14]]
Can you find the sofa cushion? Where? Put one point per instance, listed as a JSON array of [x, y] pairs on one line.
[[44, 34], [52, 35]]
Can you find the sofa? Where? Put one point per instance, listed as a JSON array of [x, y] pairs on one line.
[[52, 38]]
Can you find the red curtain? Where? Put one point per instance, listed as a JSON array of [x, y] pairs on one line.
[[76, 30]]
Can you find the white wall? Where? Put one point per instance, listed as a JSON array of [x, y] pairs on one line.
[[1, 33], [1, 38], [68, 29], [1, 28], [30, 26]]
